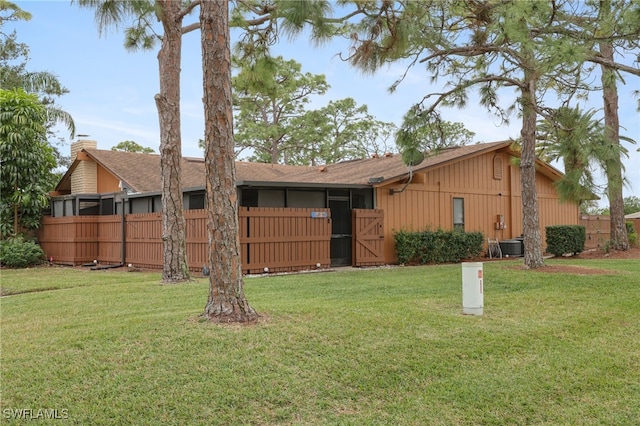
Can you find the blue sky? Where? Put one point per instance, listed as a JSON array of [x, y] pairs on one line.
[[112, 91]]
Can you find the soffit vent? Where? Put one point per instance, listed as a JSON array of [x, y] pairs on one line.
[[497, 167]]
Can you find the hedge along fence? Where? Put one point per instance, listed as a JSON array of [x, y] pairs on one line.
[[563, 239], [437, 246]]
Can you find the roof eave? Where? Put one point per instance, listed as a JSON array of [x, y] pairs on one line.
[[67, 175], [248, 183], [398, 178]]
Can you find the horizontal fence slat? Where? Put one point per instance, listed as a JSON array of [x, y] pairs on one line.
[[288, 239]]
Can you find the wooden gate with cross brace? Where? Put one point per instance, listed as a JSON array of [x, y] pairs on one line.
[[368, 237]]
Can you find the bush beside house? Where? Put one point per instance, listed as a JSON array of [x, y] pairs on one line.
[[18, 253], [437, 246], [563, 239]]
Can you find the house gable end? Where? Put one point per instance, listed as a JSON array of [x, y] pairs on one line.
[[87, 175]]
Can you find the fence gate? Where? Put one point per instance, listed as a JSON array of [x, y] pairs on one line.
[[368, 237]]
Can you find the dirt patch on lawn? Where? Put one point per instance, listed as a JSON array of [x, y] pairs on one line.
[[632, 253], [574, 270]]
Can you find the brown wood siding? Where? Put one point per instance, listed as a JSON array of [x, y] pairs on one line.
[[106, 181], [555, 212], [429, 204], [282, 239]]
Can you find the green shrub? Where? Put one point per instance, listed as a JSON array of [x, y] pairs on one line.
[[407, 245], [18, 253], [562, 239], [631, 229], [437, 246]]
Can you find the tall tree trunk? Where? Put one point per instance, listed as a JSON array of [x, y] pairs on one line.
[[16, 214], [227, 302], [174, 251], [613, 165], [531, 222]]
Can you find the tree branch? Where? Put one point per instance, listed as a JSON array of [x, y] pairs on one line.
[[188, 9], [597, 59], [190, 27], [468, 51]]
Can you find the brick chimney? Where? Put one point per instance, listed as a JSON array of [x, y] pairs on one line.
[[84, 179]]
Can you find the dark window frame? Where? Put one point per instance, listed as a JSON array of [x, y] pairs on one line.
[[458, 203]]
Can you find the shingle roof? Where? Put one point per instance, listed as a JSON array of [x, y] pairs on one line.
[[354, 172], [141, 172], [392, 168]]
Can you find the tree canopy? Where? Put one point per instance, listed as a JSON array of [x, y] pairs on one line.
[[539, 49], [419, 135], [274, 121], [631, 205], [131, 146], [14, 74], [577, 139], [341, 130], [268, 96], [27, 162]]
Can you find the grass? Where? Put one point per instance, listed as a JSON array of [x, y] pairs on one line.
[[373, 347], [16, 281]]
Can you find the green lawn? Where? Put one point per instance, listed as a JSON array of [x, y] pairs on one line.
[[375, 347]]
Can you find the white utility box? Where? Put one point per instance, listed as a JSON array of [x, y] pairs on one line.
[[472, 288]]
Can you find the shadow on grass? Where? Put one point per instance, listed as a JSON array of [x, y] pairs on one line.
[[10, 292]]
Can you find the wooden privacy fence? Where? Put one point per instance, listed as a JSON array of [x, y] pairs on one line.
[[281, 239], [598, 228]]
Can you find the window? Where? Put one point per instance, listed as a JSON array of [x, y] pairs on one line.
[[106, 206], [69, 209], [458, 214], [91, 208], [271, 198], [141, 205], [252, 197], [196, 201], [57, 208], [306, 199], [362, 199], [249, 197], [156, 203]]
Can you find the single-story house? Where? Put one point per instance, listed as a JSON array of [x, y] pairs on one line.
[[635, 215], [473, 188]]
